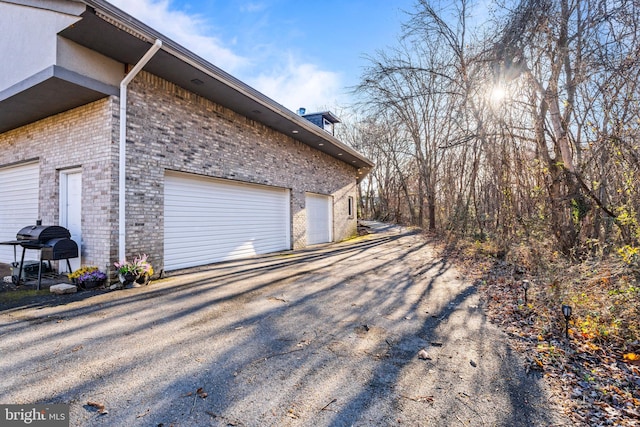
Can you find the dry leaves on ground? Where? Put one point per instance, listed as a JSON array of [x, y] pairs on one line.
[[600, 384], [595, 371]]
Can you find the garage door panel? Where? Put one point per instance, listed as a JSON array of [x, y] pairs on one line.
[[184, 258], [212, 220], [204, 226], [268, 239], [19, 194]]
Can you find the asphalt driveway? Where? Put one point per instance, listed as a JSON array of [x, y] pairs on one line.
[[323, 337]]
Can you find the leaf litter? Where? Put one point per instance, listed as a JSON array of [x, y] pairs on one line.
[[596, 379]]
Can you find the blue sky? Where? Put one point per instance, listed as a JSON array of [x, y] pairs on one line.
[[299, 53]]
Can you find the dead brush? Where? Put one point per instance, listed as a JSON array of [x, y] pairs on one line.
[[604, 293], [597, 369]]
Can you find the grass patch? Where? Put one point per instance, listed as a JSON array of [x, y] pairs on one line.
[[16, 295]]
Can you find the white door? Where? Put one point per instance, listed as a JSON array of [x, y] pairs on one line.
[[319, 218], [19, 187], [71, 212], [209, 220]]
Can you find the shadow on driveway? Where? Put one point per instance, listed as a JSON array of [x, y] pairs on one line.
[[328, 336]]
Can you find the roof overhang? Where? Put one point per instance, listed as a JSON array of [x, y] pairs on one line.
[[325, 114], [115, 34], [51, 91]]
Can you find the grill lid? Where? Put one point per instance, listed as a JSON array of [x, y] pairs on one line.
[[61, 248], [42, 233]]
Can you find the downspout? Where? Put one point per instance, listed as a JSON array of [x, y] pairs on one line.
[[123, 146]]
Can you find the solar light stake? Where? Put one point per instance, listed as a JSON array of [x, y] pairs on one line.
[[525, 286], [566, 311]]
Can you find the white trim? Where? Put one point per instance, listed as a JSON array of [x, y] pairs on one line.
[[63, 221]]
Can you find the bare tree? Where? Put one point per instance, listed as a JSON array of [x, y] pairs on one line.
[[527, 131], [569, 54]]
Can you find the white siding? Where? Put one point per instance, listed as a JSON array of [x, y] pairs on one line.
[[319, 219], [18, 204], [210, 220]]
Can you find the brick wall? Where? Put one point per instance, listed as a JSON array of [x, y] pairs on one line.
[[79, 138], [168, 128], [178, 130]]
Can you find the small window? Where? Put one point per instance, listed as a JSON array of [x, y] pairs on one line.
[[350, 206]]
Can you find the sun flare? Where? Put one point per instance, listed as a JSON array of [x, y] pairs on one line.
[[497, 94]]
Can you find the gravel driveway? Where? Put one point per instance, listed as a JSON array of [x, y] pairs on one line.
[[322, 337]]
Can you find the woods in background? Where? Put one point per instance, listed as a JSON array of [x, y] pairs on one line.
[[524, 127]]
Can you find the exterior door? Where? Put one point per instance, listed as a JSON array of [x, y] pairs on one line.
[[71, 212], [319, 218]]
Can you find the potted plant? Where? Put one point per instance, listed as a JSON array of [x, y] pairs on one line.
[[88, 277], [136, 273]]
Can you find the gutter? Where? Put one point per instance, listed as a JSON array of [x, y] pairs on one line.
[[122, 186]]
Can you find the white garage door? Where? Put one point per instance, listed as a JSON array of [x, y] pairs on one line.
[[18, 204], [319, 219], [210, 220]]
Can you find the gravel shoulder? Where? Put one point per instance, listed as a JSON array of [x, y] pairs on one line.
[[325, 337]]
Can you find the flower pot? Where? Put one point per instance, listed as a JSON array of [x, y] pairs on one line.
[[126, 280], [90, 284], [143, 280]]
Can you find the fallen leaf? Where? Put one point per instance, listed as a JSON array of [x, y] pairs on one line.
[[99, 406], [421, 399], [591, 346], [632, 358], [631, 413], [422, 354]]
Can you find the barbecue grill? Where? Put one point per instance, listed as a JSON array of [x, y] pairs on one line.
[[53, 242]]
